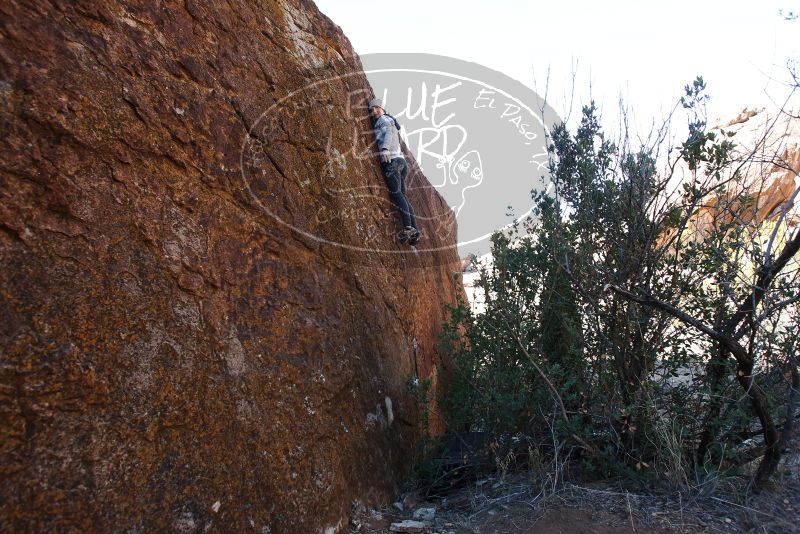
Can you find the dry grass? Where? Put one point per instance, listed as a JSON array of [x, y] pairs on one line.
[[528, 502]]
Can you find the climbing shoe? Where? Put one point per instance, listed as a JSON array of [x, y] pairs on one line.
[[413, 236], [403, 236]]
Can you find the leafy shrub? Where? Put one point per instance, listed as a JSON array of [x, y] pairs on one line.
[[619, 332]]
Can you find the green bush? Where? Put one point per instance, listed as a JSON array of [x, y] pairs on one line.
[[614, 336]]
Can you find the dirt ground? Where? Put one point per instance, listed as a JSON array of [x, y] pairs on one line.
[[522, 503]]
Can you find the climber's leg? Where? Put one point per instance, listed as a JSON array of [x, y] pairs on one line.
[[394, 182]]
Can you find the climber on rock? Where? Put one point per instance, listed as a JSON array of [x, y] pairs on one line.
[[395, 169]]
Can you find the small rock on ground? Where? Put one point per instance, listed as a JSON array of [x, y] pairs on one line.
[[408, 526], [425, 514]]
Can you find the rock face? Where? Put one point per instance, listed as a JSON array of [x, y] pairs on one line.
[[205, 322]]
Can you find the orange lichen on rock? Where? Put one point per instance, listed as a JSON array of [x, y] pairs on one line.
[[187, 342]]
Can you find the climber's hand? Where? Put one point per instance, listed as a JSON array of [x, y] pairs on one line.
[[385, 157]]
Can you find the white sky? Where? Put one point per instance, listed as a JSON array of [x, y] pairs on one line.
[[645, 51]]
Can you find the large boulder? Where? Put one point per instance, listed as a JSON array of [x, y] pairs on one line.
[[205, 321], [760, 181]]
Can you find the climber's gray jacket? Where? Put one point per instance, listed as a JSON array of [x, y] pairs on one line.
[[387, 136]]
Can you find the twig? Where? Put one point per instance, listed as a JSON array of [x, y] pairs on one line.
[[556, 395], [626, 494], [750, 509], [630, 512]]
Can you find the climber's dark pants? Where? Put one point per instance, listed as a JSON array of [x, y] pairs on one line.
[[394, 173]]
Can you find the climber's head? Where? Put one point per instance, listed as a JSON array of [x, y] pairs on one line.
[[376, 107]]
